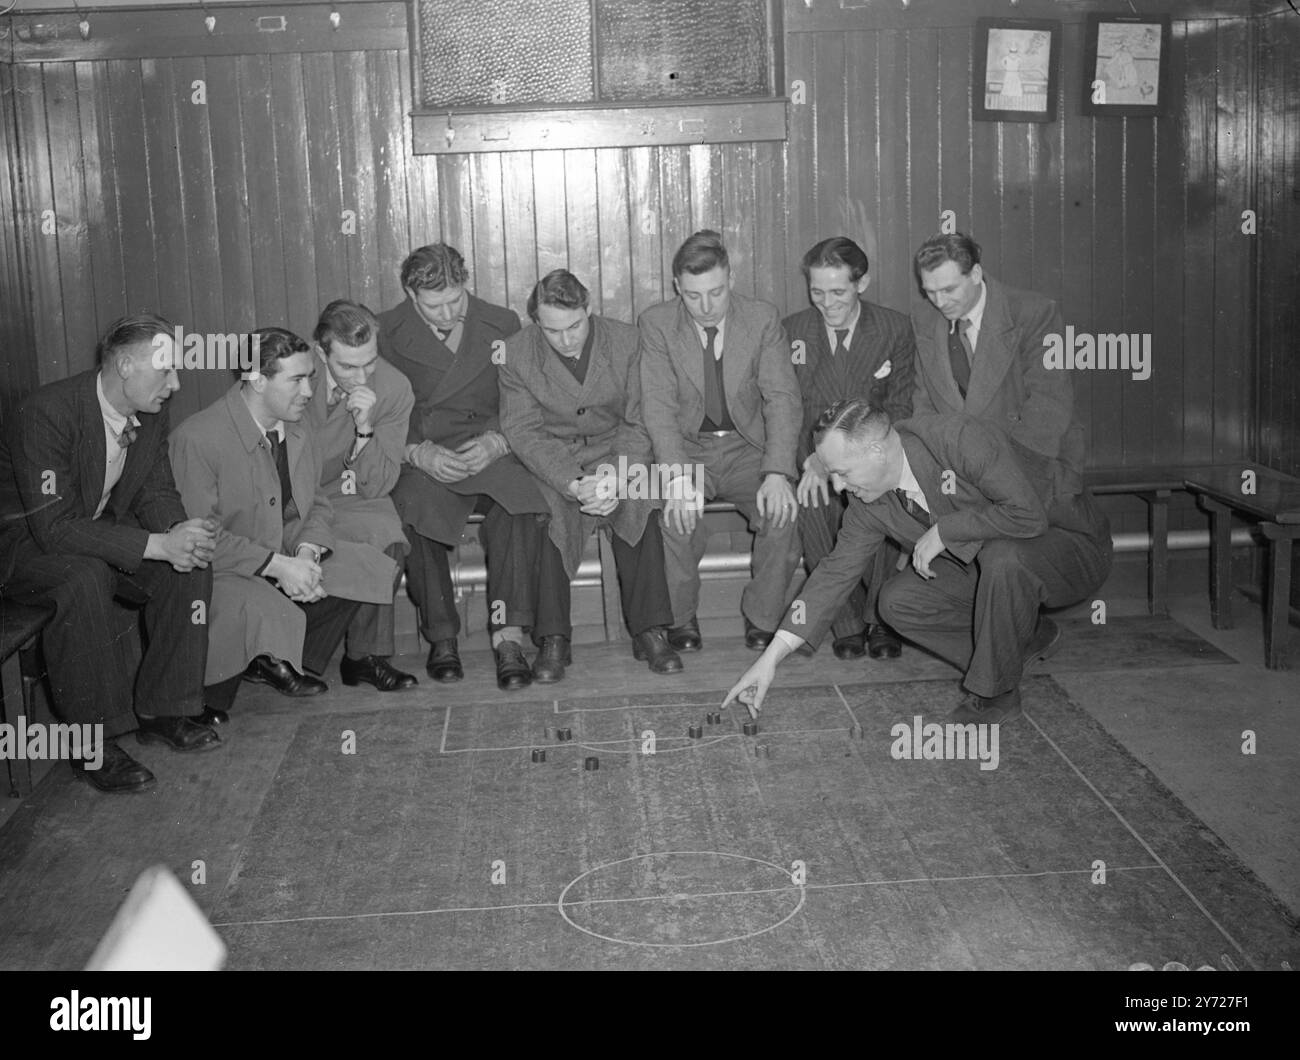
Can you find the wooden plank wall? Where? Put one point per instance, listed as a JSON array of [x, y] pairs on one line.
[[231, 214], [1132, 224], [1278, 204]]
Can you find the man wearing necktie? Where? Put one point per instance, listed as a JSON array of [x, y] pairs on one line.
[[844, 346], [286, 585], [992, 542], [90, 519], [449, 345], [359, 414], [719, 393], [979, 351]]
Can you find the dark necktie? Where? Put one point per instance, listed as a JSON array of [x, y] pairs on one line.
[[336, 395], [127, 436], [840, 334], [959, 354], [712, 393], [442, 335], [912, 508], [280, 454]]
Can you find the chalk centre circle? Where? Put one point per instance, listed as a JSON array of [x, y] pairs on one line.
[[681, 898]]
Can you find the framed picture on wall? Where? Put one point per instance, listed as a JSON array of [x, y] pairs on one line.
[[1126, 66], [1017, 66]]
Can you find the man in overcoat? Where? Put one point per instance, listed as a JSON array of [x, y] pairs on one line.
[[571, 409]]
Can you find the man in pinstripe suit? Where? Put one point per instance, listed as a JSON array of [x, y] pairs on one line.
[[844, 347], [89, 514]]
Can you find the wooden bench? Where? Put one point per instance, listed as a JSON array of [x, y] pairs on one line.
[[1271, 498], [1276, 504]]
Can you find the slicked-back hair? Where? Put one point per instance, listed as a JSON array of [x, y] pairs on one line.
[[937, 250], [857, 418], [350, 323], [127, 331], [558, 288], [836, 252], [273, 345], [434, 268], [701, 253]]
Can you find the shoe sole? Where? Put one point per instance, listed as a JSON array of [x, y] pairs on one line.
[[208, 745], [547, 679], [365, 680], [135, 789], [289, 695], [1047, 651], [445, 679]]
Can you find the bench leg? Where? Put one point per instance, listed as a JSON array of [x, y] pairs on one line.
[[611, 600], [1220, 562], [1158, 570], [1278, 614]]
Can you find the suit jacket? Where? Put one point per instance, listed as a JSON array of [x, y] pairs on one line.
[[1009, 386], [364, 512], [882, 337], [563, 429], [759, 380], [52, 476], [225, 470], [994, 495], [456, 399]]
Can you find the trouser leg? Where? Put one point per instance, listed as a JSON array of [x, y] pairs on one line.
[[327, 622], [428, 583], [373, 628], [169, 681], [642, 584]]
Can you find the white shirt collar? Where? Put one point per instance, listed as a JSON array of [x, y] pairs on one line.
[[115, 420], [850, 327], [976, 315], [908, 484]]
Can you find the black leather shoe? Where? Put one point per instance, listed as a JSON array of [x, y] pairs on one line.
[[212, 717], [513, 671], [854, 646], [376, 670], [686, 637], [179, 733], [652, 647], [1045, 641], [444, 661], [980, 710], [882, 643], [118, 773], [756, 639], [553, 656], [283, 678]]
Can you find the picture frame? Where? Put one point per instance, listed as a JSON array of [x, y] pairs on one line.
[[1022, 55], [1126, 66]]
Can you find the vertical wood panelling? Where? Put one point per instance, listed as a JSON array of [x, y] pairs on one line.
[[18, 372], [230, 214], [612, 295], [1168, 348], [1278, 210]]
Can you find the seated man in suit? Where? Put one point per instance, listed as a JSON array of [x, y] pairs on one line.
[[448, 344], [359, 414], [979, 351], [719, 392], [845, 346], [571, 409], [89, 516], [285, 586], [991, 539]]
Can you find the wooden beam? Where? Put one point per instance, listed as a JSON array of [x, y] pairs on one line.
[[804, 16], [178, 32], [585, 127]]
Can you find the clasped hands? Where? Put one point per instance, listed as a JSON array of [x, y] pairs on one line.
[[298, 576], [451, 465], [596, 494], [186, 545]]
